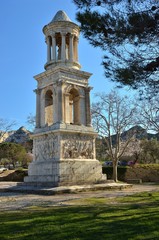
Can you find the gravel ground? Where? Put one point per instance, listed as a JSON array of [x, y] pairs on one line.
[[12, 201]]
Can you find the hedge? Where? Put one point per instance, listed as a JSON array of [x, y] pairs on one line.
[[146, 172]]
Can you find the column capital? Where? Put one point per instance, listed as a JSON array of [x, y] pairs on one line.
[[60, 82], [67, 94], [37, 91], [46, 39], [63, 34], [53, 34], [76, 38], [72, 35], [88, 89]]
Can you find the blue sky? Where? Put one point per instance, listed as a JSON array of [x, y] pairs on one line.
[[23, 54]]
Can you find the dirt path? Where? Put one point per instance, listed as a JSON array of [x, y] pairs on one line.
[[17, 201]]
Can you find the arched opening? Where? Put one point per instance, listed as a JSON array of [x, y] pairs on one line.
[[74, 109], [48, 108]]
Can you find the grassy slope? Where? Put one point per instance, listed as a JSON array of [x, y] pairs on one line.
[[132, 217]]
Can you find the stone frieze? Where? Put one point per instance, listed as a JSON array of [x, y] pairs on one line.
[[77, 147], [45, 147]]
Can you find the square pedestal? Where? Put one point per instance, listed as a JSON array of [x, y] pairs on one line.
[[64, 158]]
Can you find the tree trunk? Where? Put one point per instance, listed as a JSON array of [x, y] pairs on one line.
[[115, 173]]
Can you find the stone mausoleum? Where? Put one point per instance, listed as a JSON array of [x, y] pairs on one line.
[[63, 140]]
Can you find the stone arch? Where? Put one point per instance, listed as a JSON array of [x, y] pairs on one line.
[[48, 107], [71, 104]]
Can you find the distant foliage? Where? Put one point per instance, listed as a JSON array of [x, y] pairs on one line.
[[13, 153], [149, 151]]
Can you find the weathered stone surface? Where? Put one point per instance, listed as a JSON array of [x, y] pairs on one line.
[[64, 159], [63, 141], [69, 172]]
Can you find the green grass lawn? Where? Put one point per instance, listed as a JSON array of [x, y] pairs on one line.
[[130, 217]]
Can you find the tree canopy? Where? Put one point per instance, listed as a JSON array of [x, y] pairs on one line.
[[127, 31], [13, 152]]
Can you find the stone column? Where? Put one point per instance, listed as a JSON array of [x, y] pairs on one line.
[[42, 108], [37, 91], [59, 52], [88, 110], [76, 49], [48, 49], [67, 108], [53, 47], [77, 112], [71, 117], [63, 50], [82, 107], [60, 103], [55, 102], [71, 57]]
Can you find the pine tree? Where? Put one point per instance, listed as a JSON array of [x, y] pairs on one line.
[[127, 31]]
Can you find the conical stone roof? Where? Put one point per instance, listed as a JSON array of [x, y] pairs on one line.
[[61, 16]]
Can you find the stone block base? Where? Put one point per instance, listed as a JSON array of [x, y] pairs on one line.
[[65, 172]]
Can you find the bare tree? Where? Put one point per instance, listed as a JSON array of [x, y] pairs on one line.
[[31, 121], [133, 151], [112, 115], [149, 114], [5, 126]]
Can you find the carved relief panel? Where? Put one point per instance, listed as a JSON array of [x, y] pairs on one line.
[[77, 147], [45, 147]]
